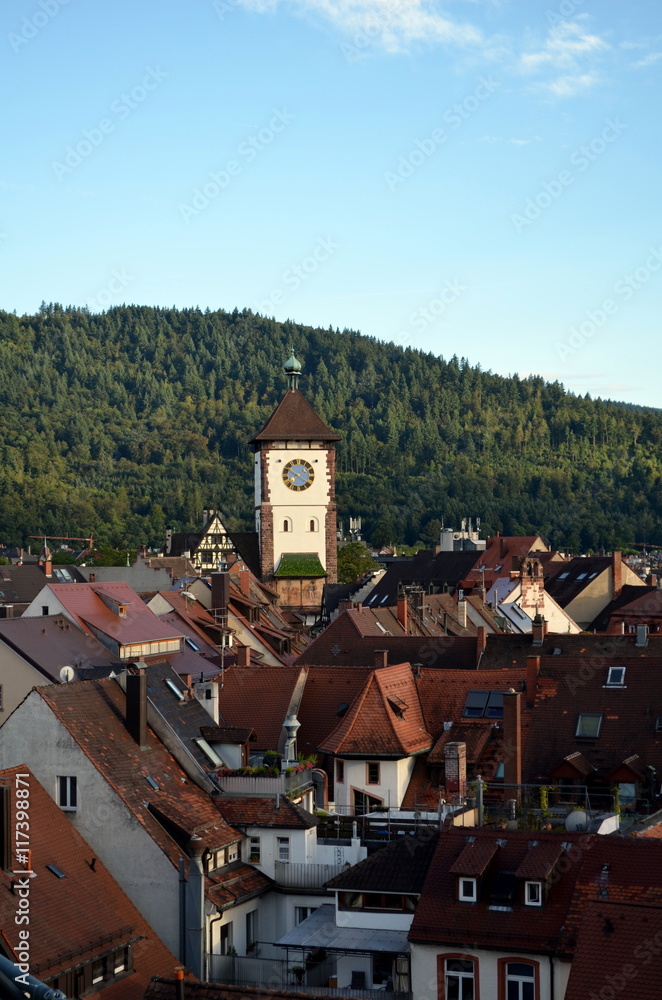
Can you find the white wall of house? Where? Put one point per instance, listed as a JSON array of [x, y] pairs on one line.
[[46, 599], [369, 919], [114, 834], [302, 844], [424, 970], [394, 778], [17, 678], [278, 915]]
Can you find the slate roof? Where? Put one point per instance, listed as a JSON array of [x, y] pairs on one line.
[[431, 571], [243, 812], [19, 585], [353, 637], [67, 923], [567, 589], [611, 951], [51, 642], [94, 713], [400, 867], [441, 918], [294, 419], [385, 720]]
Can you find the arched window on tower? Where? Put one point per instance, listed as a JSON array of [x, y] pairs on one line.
[[313, 524], [287, 524]]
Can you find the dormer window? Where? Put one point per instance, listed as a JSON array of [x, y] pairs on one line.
[[533, 893], [616, 677], [588, 725], [467, 890], [121, 610]]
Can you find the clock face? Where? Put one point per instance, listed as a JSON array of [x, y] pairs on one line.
[[298, 475]]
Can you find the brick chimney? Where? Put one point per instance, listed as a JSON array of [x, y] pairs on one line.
[[345, 605], [512, 739], [538, 630], [403, 612], [616, 574], [245, 582], [532, 671], [455, 768], [136, 705], [462, 613], [481, 642], [243, 656], [380, 658]]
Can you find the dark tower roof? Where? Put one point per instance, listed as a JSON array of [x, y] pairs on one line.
[[294, 419]]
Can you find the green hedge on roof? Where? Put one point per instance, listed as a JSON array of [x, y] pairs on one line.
[[300, 564]]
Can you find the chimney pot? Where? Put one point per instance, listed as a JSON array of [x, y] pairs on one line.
[[402, 612], [243, 656], [462, 613], [616, 574]]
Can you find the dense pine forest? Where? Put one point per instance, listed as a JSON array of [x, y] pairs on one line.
[[126, 422]]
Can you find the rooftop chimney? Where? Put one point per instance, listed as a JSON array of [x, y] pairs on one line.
[[455, 767], [136, 705], [481, 642], [616, 574], [538, 630], [403, 611], [380, 658], [532, 671], [512, 738], [462, 613], [243, 656], [220, 590]]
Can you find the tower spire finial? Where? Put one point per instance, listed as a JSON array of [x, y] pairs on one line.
[[292, 369]]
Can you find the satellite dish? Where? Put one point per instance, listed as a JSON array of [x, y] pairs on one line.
[[67, 674], [576, 820]]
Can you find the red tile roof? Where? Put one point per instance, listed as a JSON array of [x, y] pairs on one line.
[[70, 916], [236, 884], [474, 857], [243, 812], [84, 603], [93, 712], [385, 720], [540, 860], [294, 419], [259, 697]]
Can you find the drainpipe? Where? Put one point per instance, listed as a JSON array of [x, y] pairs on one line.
[[179, 984], [219, 916], [182, 911], [479, 798], [195, 909]]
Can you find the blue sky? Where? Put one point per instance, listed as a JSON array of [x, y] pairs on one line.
[[476, 177]]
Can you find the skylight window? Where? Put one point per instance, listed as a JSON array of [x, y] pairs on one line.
[[616, 677], [152, 784], [56, 871], [483, 704], [209, 752], [192, 645], [497, 568], [563, 576], [384, 599], [175, 690], [582, 576], [588, 725]]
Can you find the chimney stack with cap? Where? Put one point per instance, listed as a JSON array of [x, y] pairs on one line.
[[136, 705], [380, 658], [462, 613], [220, 590], [403, 611], [616, 574], [455, 768], [481, 642], [538, 630], [243, 656]]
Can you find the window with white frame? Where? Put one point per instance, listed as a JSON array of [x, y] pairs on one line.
[[533, 893], [372, 772], [233, 852], [616, 677], [254, 850], [520, 981], [460, 981], [588, 725], [467, 890], [283, 848], [67, 792]]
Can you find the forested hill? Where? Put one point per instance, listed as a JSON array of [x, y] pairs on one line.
[[124, 422]]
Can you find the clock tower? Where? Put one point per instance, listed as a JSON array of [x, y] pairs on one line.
[[295, 502]]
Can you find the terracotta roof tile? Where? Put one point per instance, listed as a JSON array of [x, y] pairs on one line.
[[236, 884], [263, 812], [474, 857], [66, 920], [540, 860], [294, 419]]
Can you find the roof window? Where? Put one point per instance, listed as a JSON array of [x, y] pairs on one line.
[[616, 677], [152, 784], [588, 725], [483, 704], [56, 871], [175, 690], [564, 575]]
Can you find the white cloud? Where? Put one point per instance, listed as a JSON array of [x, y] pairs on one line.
[[648, 60], [394, 23], [566, 44], [569, 86]]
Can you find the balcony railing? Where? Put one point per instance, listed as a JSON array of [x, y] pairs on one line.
[[248, 784], [295, 875], [277, 974]]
